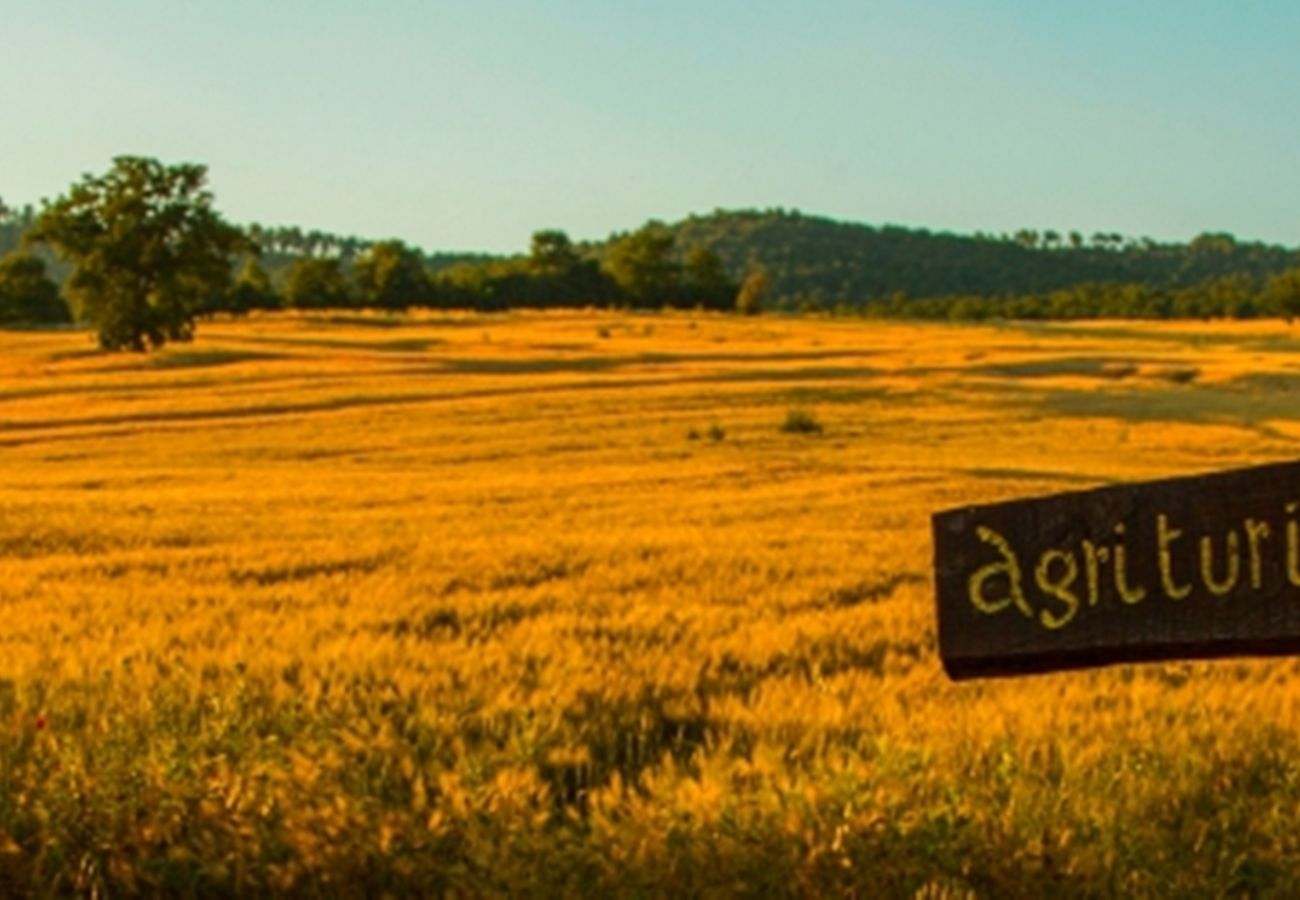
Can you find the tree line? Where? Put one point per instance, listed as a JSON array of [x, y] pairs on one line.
[[146, 254], [140, 252], [642, 270], [1229, 297]]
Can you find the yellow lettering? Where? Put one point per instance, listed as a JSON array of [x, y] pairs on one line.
[[1292, 546], [1128, 594], [1059, 588], [1093, 556], [1165, 537], [1009, 567], [1256, 532], [1220, 588]]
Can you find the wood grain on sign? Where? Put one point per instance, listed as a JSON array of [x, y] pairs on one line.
[[1184, 568]]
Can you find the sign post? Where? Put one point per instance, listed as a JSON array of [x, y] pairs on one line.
[[1185, 568]]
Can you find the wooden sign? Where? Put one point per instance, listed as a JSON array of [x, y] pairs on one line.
[[1179, 569]]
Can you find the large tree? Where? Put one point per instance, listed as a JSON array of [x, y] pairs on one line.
[[147, 248]]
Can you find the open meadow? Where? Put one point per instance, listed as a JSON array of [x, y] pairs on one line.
[[540, 604]]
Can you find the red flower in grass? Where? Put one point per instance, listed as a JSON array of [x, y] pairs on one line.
[[40, 723]]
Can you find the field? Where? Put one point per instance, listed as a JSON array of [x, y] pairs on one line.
[[559, 604]]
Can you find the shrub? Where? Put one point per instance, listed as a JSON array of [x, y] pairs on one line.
[[801, 421]]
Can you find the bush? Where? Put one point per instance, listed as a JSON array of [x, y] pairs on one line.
[[714, 433], [801, 421]]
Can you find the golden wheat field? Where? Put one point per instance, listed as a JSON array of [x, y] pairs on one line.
[[552, 604]]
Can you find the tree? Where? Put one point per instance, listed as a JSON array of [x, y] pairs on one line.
[[552, 253], [467, 284], [27, 294], [316, 283], [1027, 237], [642, 264], [753, 291], [1283, 293], [1219, 242], [252, 289], [390, 275], [706, 280], [147, 248]]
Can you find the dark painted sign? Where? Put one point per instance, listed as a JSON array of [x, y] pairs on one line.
[[1184, 568]]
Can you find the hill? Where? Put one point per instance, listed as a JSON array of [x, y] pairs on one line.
[[824, 260], [819, 262]]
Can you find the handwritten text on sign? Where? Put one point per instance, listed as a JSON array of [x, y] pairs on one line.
[[1184, 568]]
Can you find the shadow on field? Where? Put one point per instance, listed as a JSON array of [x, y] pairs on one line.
[[363, 321], [212, 415], [1248, 401], [613, 362], [798, 396], [1005, 474], [59, 356], [197, 359], [1060, 330], [1107, 367], [400, 345], [1268, 343]]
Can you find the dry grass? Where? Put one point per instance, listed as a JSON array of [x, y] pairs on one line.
[[456, 604]]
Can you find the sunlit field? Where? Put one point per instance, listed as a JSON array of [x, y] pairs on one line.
[[556, 604]]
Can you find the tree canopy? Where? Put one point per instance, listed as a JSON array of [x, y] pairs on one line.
[[147, 247], [316, 283], [390, 275], [551, 253], [27, 295], [642, 263]]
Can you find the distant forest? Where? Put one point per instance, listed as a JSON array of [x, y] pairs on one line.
[[776, 260]]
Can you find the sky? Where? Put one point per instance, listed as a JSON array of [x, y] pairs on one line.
[[467, 126]]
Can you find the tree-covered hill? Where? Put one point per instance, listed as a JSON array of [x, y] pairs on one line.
[[827, 261], [801, 261]]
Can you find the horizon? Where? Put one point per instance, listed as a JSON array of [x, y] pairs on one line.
[[1005, 236], [464, 131]]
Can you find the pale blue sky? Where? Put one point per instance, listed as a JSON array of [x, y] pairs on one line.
[[470, 125]]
